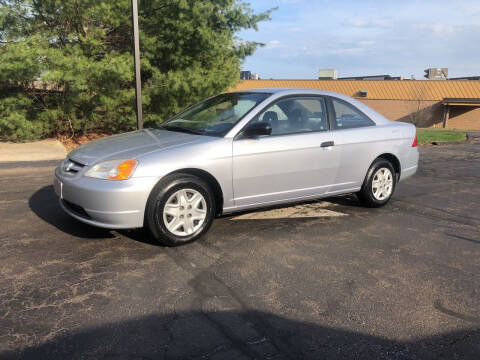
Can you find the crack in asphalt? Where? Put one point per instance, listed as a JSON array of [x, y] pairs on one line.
[[435, 214], [468, 318], [205, 283], [476, 220], [463, 238]]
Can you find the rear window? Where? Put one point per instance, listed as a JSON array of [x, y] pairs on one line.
[[347, 116]]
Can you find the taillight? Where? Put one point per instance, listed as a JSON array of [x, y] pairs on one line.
[[414, 144]]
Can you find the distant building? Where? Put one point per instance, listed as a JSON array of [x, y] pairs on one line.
[[436, 73], [372, 77], [327, 74], [450, 104], [247, 75], [473, 78]]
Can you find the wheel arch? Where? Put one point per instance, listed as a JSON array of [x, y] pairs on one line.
[[210, 179], [393, 160]]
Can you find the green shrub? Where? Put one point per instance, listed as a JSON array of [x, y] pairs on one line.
[[82, 53]]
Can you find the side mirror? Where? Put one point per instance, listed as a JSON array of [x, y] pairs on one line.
[[257, 129]]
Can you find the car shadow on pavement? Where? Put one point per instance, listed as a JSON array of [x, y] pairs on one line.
[[139, 235], [349, 200], [240, 335], [44, 203]]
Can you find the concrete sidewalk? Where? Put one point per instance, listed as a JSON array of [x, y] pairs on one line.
[[32, 151]]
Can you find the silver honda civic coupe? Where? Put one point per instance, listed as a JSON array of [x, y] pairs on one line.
[[236, 151]]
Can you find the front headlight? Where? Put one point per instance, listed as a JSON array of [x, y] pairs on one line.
[[113, 169]]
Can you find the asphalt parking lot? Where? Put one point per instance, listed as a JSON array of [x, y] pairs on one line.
[[401, 282]]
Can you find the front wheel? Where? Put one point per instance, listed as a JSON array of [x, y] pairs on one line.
[[379, 184], [180, 210]]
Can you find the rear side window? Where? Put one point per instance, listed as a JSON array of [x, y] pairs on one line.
[[347, 116]]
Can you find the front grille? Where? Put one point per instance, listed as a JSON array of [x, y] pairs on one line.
[[72, 166], [78, 210]]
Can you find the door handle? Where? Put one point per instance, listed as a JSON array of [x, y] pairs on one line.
[[327, 144]]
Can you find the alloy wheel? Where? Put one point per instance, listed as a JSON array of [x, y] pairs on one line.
[[184, 212], [382, 184]]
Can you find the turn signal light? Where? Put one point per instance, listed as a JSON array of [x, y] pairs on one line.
[[124, 170], [414, 144]]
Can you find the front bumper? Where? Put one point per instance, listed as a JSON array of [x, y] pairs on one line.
[[104, 203]]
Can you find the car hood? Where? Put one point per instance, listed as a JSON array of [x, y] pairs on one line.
[[130, 145]]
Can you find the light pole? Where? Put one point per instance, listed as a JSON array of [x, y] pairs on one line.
[[136, 58]]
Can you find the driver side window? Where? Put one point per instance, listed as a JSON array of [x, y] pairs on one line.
[[295, 115]]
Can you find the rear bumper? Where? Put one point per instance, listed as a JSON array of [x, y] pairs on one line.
[[410, 164], [406, 173], [104, 203]]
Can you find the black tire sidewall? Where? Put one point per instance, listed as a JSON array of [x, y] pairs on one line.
[[159, 197], [366, 193]]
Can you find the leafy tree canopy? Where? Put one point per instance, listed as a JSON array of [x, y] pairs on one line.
[[67, 66]]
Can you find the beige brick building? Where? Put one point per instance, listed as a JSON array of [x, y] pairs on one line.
[[453, 104]]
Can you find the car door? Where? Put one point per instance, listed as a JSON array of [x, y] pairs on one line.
[[294, 162], [356, 140]]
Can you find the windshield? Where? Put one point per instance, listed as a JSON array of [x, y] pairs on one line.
[[215, 116]]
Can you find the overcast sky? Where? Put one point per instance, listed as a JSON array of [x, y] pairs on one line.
[[366, 37]]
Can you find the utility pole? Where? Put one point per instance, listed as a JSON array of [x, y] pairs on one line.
[[136, 58]]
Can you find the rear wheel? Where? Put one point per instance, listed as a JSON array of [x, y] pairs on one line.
[[379, 184], [180, 209]]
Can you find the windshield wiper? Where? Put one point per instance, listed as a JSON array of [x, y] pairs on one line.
[[182, 129]]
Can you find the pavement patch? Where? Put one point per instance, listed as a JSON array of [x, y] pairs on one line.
[[315, 210]]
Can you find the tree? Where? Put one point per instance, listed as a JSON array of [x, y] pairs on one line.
[[66, 66]]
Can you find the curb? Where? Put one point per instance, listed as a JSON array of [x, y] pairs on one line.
[[42, 150], [29, 164]]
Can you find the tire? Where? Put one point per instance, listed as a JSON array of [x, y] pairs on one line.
[[379, 184], [175, 208]]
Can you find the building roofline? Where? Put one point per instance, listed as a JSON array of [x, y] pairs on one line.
[[418, 90]]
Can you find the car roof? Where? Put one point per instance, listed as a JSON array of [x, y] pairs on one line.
[[293, 91]]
